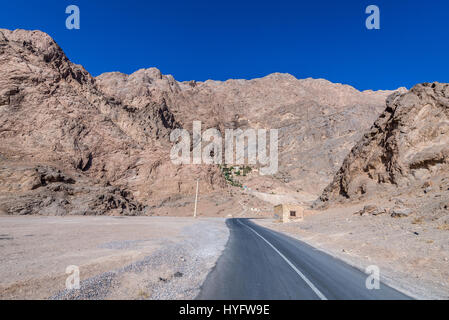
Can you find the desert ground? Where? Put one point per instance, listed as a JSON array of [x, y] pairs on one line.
[[118, 257], [170, 257]]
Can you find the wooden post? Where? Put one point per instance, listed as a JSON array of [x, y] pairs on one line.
[[196, 198]]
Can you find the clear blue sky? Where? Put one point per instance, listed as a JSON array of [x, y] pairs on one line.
[[245, 39]]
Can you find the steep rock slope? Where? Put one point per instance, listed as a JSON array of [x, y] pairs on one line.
[[318, 121], [74, 144], [55, 123], [405, 151]]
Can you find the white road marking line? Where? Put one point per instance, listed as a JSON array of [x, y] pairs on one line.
[[303, 277]]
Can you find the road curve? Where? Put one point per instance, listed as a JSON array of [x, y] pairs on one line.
[[261, 264]]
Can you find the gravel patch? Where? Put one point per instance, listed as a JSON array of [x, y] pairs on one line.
[[175, 271]]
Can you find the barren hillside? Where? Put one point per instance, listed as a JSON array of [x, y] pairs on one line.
[[74, 144], [401, 163], [67, 148], [405, 148], [318, 121]]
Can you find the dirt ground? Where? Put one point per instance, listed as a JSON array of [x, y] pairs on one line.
[[169, 257], [412, 254], [118, 257]]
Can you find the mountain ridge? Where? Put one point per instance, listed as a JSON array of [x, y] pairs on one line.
[[110, 134]]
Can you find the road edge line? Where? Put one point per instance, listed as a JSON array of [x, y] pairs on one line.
[[303, 277]]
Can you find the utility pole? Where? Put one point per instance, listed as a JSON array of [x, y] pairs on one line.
[[196, 197]]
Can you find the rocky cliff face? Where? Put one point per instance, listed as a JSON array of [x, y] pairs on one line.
[[318, 121], [102, 155], [406, 150], [74, 144]]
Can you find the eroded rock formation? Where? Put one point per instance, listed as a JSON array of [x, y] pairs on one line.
[[74, 144], [407, 148]]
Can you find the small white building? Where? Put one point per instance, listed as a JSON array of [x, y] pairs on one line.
[[288, 212]]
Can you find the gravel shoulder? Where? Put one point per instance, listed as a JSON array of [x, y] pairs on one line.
[[412, 257], [118, 257]]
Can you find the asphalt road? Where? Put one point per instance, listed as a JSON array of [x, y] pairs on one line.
[[261, 264]]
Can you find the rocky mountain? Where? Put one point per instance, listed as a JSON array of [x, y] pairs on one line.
[[318, 121], [67, 146], [405, 153], [75, 144]]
